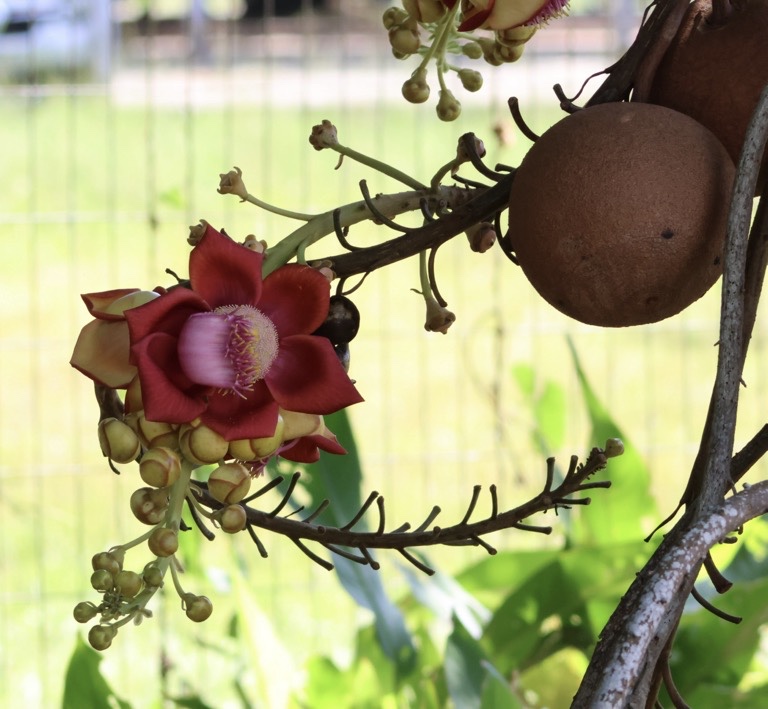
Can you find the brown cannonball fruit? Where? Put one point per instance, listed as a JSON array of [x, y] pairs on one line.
[[618, 213], [716, 68]]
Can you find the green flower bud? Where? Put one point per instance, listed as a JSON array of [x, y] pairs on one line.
[[152, 575], [100, 636], [508, 54], [416, 89], [404, 41], [229, 483], [201, 445], [257, 448], [107, 560], [85, 611], [448, 108], [102, 580], [118, 442], [163, 542], [145, 505], [470, 79], [198, 608], [472, 50], [515, 36], [128, 583], [160, 467], [614, 447], [233, 518], [393, 16]]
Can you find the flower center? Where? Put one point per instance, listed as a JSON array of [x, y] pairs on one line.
[[230, 348]]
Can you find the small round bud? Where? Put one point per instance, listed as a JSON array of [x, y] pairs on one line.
[[163, 542], [324, 135], [515, 36], [198, 608], [100, 636], [157, 433], [470, 79], [118, 442], [393, 16], [481, 237], [403, 40], [229, 483], [613, 447], [102, 580], [128, 583], [416, 89], [160, 467], [152, 575], [508, 54], [145, 507], [448, 108], [233, 519], [85, 611], [107, 560], [472, 50], [258, 448], [201, 445], [425, 11]]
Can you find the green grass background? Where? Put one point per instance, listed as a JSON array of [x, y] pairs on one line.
[[98, 196]]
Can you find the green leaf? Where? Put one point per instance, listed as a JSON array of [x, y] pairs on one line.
[[497, 693], [562, 604], [708, 649], [464, 671], [84, 685], [338, 478], [621, 517], [547, 407]]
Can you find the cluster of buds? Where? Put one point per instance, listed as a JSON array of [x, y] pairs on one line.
[[435, 29], [125, 593], [167, 455]]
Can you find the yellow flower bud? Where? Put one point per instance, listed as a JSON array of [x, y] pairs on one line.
[[470, 79], [160, 467], [201, 445], [416, 89], [257, 448], [145, 507], [404, 40], [163, 542], [157, 433], [233, 518], [118, 441], [229, 483]]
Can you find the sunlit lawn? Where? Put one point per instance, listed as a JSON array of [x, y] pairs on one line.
[[97, 197]]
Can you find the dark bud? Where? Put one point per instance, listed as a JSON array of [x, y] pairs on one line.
[[342, 323]]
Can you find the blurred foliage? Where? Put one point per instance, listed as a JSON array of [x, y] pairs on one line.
[[513, 630]]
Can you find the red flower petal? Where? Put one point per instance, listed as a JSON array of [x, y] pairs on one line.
[[168, 313], [97, 303], [307, 449], [236, 418], [102, 353], [167, 394], [295, 298], [472, 20], [223, 272], [307, 376]]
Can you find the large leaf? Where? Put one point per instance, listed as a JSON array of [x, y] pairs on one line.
[[84, 685], [338, 478], [623, 511], [562, 604], [547, 405]]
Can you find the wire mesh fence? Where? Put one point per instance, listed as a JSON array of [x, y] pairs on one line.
[[117, 120]]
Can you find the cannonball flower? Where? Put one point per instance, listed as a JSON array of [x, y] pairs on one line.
[[233, 348], [102, 348], [505, 14]]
